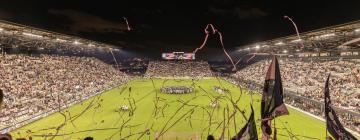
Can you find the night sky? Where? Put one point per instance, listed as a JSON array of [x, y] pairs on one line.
[[178, 25]]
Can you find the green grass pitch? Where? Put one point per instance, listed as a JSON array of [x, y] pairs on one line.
[[186, 116]]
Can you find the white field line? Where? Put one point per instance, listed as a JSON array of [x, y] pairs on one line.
[[320, 118]]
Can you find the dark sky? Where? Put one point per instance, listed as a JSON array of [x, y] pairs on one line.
[[178, 25]]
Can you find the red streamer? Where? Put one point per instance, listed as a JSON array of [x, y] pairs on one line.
[[214, 31]]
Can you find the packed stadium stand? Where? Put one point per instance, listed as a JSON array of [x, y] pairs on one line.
[[184, 68], [38, 85], [13, 35], [306, 78]]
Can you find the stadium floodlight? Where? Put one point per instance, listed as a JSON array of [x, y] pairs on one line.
[[279, 43], [77, 42], [285, 51], [32, 35], [60, 40], [325, 35], [296, 40]]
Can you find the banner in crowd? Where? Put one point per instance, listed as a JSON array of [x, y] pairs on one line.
[[272, 104], [248, 132], [333, 124]]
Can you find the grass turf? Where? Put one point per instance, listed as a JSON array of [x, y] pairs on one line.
[[186, 116]]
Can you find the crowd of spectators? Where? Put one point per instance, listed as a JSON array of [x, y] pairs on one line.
[[315, 107], [347, 119], [35, 85], [180, 68], [306, 79]]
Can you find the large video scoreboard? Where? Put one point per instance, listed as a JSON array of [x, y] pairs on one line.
[[178, 56]]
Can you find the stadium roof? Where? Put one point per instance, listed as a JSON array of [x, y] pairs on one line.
[[17, 35], [338, 38]]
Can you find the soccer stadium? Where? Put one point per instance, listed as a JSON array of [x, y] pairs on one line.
[[56, 85]]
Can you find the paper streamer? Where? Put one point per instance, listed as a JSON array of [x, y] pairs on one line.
[[127, 23], [247, 61], [117, 65], [215, 31], [296, 29]]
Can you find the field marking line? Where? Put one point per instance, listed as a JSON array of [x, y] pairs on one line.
[[319, 118]]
